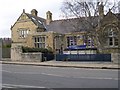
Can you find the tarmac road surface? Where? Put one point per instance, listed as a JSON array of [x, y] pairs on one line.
[[26, 76]]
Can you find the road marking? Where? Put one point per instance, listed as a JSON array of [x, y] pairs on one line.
[[19, 86], [53, 75], [88, 69], [60, 75], [99, 78], [79, 77]]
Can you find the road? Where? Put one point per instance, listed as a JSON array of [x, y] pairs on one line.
[[26, 76]]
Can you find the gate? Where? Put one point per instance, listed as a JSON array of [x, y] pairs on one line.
[[47, 56], [83, 57]]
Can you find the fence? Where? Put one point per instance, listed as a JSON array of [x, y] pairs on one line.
[[47, 57], [83, 57], [6, 52]]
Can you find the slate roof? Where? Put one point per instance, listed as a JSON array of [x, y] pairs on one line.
[[118, 16], [61, 26], [64, 25], [67, 25], [40, 22], [70, 25]]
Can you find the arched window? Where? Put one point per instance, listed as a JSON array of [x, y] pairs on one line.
[[112, 36]]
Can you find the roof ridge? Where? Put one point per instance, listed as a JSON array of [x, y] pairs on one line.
[[34, 16], [65, 19]]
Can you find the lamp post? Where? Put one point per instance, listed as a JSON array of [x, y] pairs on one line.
[[54, 45]]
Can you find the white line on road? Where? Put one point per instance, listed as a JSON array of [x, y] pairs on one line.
[[19, 86], [60, 75], [80, 77]]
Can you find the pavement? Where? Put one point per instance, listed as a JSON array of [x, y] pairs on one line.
[[53, 63]]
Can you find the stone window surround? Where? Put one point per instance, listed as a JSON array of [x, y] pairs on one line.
[[39, 41], [23, 32], [111, 35], [71, 40]]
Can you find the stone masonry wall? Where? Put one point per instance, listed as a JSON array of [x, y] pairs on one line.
[[115, 57], [17, 55], [31, 57]]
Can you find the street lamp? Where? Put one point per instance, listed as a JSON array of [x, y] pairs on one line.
[[54, 45]]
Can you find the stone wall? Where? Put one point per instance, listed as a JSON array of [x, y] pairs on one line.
[[17, 55], [31, 57], [16, 52], [115, 57]]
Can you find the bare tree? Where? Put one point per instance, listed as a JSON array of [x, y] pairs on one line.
[[88, 14]]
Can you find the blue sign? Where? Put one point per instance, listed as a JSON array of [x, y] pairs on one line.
[[77, 47]]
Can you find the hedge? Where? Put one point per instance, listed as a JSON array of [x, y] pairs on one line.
[[30, 50]]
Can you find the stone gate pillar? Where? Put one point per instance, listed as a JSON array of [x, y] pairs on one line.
[[16, 51], [115, 57]]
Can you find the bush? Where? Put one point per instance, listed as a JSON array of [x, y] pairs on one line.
[[30, 50], [7, 46]]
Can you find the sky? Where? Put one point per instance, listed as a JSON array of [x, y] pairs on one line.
[[10, 10]]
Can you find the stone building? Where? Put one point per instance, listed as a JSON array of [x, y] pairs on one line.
[[110, 31], [33, 31]]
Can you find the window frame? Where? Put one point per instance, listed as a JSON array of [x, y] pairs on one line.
[[39, 41], [112, 36], [71, 40], [23, 33]]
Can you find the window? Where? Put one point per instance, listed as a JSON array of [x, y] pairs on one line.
[[39, 21], [110, 41], [33, 18], [71, 40], [39, 42], [112, 36], [116, 41], [23, 33]]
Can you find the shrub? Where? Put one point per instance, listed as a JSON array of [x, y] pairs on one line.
[[7, 46], [30, 50]]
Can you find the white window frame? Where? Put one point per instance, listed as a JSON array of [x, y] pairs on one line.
[[23, 33], [71, 41], [113, 37]]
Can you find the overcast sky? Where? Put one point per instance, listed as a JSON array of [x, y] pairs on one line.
[[10, 10]]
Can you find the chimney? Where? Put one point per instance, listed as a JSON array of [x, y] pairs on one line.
[[48, 17], [101, 10], [23, 10], [34, 12]]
